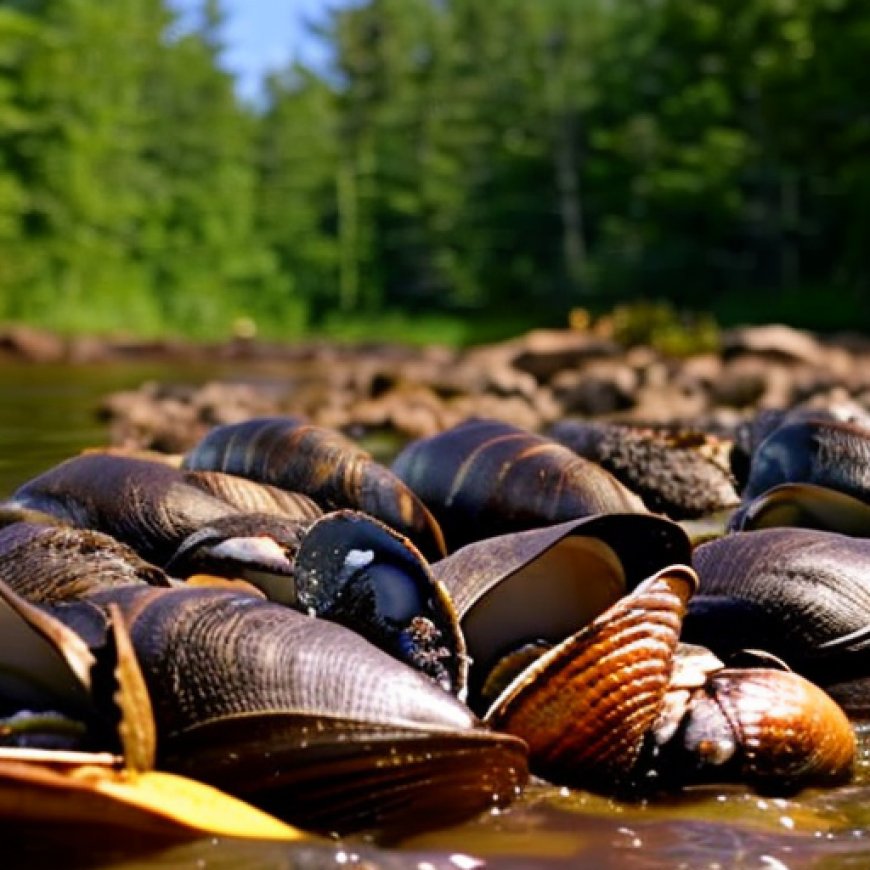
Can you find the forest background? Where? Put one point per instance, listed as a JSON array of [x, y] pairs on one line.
[[458, 170]]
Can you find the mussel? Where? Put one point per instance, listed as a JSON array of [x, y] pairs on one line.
[[63, 723], [150, 506], [814, 450], [767, 727], [348, 568], [300, 715], [485, 478], [292, 454], [682, 473], [801, 594], [545, 584], [804, 505]]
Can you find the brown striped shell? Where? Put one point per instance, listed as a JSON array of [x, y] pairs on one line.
[[252, 497], [586, 706], [146, 505], [485, 478], [771, 728], [292, 454]]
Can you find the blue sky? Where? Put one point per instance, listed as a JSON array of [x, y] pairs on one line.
[[263, 35]]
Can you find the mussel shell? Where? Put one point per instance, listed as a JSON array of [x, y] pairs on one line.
[[485, 478], [545, 584], [807, 506], [790, 733], [820, 451], [682, 473], [355, 570], [46, 563], [305, 691], [586, 706], [292, 454], [252, 497], [801, 594], [147, 505]]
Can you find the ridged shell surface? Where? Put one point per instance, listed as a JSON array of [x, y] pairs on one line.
[[790, 732], [485, 478], [801, 594], [585, 707], [292, 454]]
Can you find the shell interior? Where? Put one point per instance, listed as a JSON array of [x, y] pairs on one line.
[[573, 582], [43, 665]]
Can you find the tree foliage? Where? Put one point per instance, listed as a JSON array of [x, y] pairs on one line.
[[468, 156]]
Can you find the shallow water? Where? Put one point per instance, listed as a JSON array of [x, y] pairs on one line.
[[48, 413]]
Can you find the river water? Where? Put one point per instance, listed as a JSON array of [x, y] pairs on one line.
[[48, 413]]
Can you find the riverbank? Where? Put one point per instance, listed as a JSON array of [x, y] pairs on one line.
[[402, 392]]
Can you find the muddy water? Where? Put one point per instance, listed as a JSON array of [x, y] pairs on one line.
[[49, 413]]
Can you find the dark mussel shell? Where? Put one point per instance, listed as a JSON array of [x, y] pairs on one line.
[[355, 570], [814, 450], [47, 563], [485, 478], [545, 584], [801, 594], [682, 473], [352, 569], [806, 506], [284, 710], [292, 454]]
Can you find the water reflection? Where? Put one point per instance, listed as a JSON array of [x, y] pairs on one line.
[[48, 413]]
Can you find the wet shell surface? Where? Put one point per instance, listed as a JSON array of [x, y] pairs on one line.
[[801, 594], [787, 732], [265, 701], [586, 706], [334, 471], [485, 478]]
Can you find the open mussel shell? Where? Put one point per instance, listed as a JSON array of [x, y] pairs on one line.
[[485, 478], [545, 584], [801, 594], [212, 657], [682, 473], [586, 706], [825, 452], [355, 570], [804, 505], [45, 678], [290, 453]]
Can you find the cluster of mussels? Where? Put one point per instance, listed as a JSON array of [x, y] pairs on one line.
[[350, 646]]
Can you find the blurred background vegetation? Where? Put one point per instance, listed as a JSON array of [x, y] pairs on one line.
[[461, 169]]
